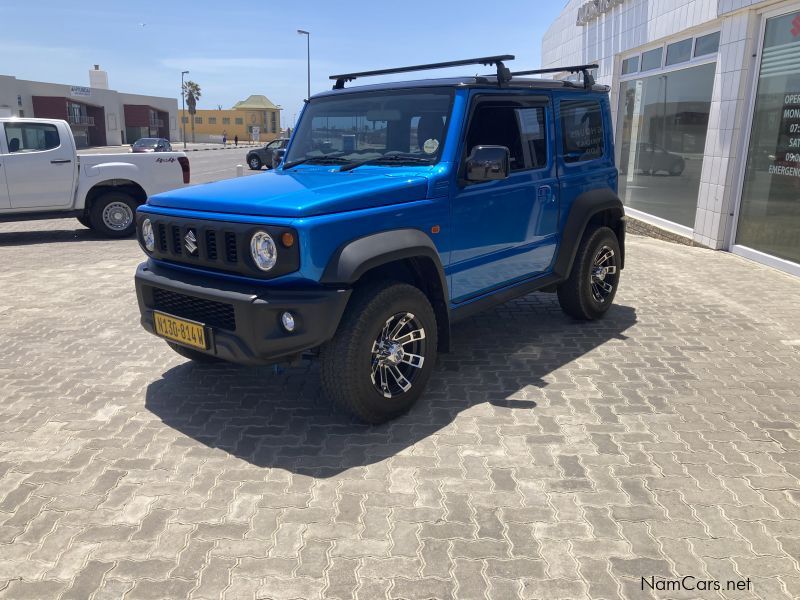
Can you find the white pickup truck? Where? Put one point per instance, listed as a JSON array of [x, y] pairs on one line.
[[42, 177]]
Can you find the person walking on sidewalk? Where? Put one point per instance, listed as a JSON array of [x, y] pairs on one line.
[[236, 140], [224, 137]]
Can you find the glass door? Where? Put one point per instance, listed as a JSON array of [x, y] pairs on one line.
[[769, 214], [661, 136]]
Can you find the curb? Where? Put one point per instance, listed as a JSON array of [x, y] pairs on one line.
[[204, 149]]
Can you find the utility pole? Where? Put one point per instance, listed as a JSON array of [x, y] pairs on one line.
[[308, 58], [183, 108]]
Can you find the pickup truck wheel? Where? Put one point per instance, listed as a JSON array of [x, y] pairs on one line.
[[590, 289], [198, 357], [254, 162], [112, 215], [379, 362]]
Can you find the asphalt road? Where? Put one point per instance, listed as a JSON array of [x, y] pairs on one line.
[[215, 165]]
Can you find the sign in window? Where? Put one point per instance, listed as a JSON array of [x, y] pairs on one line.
[[769, 216]]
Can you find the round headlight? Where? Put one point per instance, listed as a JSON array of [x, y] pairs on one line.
[[148, 237], [263, 250]]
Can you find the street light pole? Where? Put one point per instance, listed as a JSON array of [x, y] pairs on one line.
[[183, 108], [308, 58]]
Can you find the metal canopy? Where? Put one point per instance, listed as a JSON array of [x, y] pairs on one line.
[[503, 73]]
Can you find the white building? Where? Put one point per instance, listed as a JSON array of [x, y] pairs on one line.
[[706, 103], [97, 115]]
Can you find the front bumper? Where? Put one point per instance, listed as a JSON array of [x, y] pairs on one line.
[[244, 319]]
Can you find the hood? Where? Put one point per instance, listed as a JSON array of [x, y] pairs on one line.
[[303, 193]]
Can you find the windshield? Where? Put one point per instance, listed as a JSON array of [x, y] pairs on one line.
[[398, 127], [146, 143]]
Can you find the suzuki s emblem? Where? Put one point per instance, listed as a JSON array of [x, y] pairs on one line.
[[190, 241]]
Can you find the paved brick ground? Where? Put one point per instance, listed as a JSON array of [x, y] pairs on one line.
[[550, 459]]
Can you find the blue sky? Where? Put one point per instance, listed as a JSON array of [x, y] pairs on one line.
[[234, 49]]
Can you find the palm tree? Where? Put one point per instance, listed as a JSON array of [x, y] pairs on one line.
[[192, 93]]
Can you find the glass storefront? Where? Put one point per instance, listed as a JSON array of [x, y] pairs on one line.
[[661, 137], [769, 215]]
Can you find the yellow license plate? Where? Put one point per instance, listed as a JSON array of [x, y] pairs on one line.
[[179, 330]]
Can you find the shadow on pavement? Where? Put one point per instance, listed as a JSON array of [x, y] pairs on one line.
[[49, 236], [281, 419]]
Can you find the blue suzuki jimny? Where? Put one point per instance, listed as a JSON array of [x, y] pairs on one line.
[[398, 209]]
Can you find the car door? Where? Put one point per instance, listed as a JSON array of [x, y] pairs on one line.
[[646, 157], [269, 150], [39, 166], [4, 200], [505, 231], [5, 203]]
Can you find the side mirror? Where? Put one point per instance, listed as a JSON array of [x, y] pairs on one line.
[[488, 163]]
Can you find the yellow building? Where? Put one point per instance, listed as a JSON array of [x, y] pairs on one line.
[[257, 113]]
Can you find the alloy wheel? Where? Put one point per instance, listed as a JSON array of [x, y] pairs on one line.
[[603, 274], [398, 354]]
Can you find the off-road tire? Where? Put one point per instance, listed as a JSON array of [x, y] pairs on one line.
[[346, 360], [101, 225], [194, 355], [575, 295], [254, 163]]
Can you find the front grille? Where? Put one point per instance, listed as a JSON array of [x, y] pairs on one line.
[[231, 253], [214, 314], [162, 237], [211, 244], [177, 247], [218, 246]]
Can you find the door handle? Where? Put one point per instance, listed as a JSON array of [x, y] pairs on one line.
[[545, 193], [60, 161]]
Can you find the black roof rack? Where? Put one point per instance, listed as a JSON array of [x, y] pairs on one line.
[[588, 79], [503, 73]]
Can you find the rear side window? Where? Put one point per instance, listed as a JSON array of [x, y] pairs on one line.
[[31, 137], [582, 130]]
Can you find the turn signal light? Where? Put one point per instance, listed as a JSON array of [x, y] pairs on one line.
[[287, 239]]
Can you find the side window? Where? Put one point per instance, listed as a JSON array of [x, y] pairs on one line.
[[534, 135], [31, 137], [582, 130], [494, 125]]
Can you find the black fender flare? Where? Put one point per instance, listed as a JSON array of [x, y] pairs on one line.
[[356, 257], [586, 206]]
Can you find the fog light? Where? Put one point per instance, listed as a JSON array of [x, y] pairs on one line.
[[287, 320], [148, 237]]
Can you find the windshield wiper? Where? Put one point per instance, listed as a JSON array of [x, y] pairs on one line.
[[392, 158], [316, 160]]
